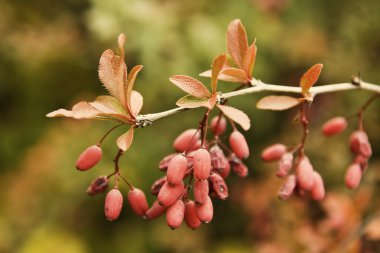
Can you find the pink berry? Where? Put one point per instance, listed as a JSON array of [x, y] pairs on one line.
[[238, 167], [226, 171], [175, 214], [201, 164], [89, 158], [99, 185], [218, 125], [164, 163], [318, 190], [186, 139], [218, 160], [359, 143], [201, 190], [285, 165], [137, 200], [219, 186], [205, 211], [287, 188], [305, 176], [273, 152], [191, 218], [157, 185], [113, 204], [239, 144], [177, 169], [170, 193], [353, 176], [334, 126], [155, 211]]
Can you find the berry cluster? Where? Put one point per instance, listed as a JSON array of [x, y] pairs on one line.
[[204, 167]]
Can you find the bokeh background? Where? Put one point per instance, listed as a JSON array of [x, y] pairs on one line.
[[49, 52]]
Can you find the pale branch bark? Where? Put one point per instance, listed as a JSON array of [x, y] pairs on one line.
[[259, 86]]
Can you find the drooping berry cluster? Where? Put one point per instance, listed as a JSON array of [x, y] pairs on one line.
[[195, 174]]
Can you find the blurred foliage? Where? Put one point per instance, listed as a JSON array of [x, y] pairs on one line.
[[49, 52]]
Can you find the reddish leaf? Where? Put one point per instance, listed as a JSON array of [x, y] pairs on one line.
[[81, 110], [310, 78], [249, 60], [224, 77], [124, 141], [238, 75], [136, 101], [217, 66], [237, 42], [108, 105], [121, 41], [112, 73], [189, 101], [277, 103], [236, 115], [130, 83], [190, 85]]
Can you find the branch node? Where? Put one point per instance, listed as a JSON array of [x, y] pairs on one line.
[[141, 121], [356, 80]]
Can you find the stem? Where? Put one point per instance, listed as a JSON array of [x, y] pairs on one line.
[[257, 87], [305, 124], [369, 101], [108, 132]]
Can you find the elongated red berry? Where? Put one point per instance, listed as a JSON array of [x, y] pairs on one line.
[[273, 152], [201, 190], [239, 144], [113, 204], [287, 188], [362, 161], [201, 164], [137, 200], [305, 176], [238, 166], [164, 163], [353, 176], [318, 190], [205, 212], [226, 171], [99, 185], [218, 125], [359, 143], [170, 193], [177, 169], [186, 139], [89, 158], [219, 186], [218, 160], [155, 211], [285, 165], [157, 185], [175, 214], [191, 218], [334, 126]]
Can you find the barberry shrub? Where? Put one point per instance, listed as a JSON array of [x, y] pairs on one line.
[[196, 172]]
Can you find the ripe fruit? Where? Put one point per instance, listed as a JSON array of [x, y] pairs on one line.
[[353, 176], [226, 171], [201, 190], [186, 139], [305, 176], [359, 143], [155, 211], [318, 190], [285, 165], [99, 185], [137, 200], [239, 168], [113, 204], [218, 125], [191, 218], [177, 169], [218, 160], [205, 211], [170, 193], [239, 144], [219, 186], [89, 158], [157, 185], [273, 152], [164, 163], [175, 214], [287, 188], [202, 164], [334, 126]]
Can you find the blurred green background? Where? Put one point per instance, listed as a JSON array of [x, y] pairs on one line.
[[49, 53]]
